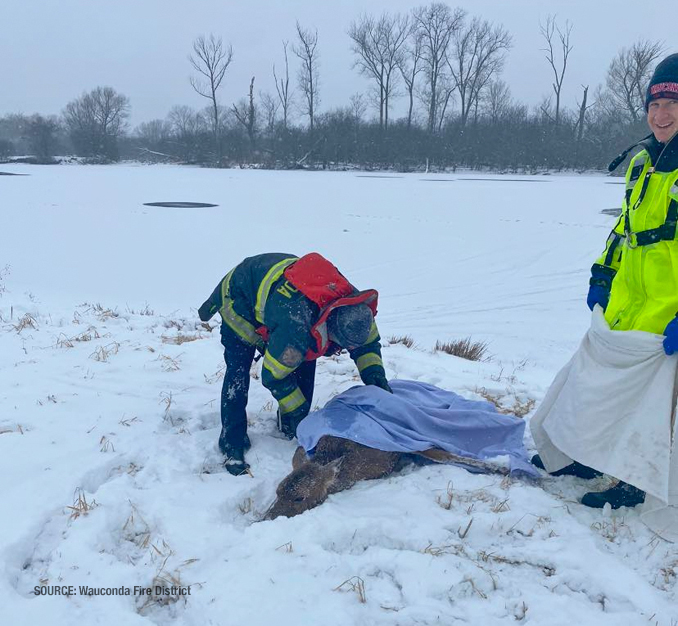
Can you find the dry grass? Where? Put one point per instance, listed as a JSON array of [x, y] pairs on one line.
[[27, 321], [165, 579], [519, 408], [136, 529], [180, 339], [469, 580], [167, 399], [500, 507], [287, 547], [81, 507], [103, 353], [452, 548], [355, 584], [246, 506], [216, 377], [106, 444], [128, 421], [102, 313], [548, 570], [464, 348], [169, 364], [145, 311], [4, 272], [613, 530], [445, 501], [63, 341], [463, 533], [18, 429], [406, 340]]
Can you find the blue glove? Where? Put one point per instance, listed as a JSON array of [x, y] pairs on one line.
[[599, 286], [598, 295], [671, 332]]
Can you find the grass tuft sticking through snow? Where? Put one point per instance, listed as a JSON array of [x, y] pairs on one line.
[[81, 507], [464, 348], [406, 340], [355, 584]]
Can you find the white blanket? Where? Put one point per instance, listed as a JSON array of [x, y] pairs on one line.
[[612, 408]]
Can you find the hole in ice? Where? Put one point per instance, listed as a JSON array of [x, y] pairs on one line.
[[181, 205]]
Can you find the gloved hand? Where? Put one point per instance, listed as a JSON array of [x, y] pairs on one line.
[[380, 381], [600, 284], [597, 295], [671, 332], [288, 422]]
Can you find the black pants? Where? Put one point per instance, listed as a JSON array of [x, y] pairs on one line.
[[238, 356]]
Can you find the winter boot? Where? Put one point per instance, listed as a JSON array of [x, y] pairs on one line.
[[622, 494], [235, 454], [235, 461], [287, 424], [574, 469]]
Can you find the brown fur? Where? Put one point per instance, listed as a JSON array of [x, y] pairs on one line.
[[336, 465]]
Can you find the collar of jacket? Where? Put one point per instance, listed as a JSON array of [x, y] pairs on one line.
[[664, 157]]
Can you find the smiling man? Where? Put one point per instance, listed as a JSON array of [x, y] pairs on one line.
[[635, 280]]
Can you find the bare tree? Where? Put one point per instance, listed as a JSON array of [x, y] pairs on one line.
[[435, 23], [549, 31], [154, 132], [447, 87], [628, 76], [477, 55], [246, 114], [357, 107], [185, 121], [307, 51], [410, 65], [584, 106], [270, 105], [187, 128], [96, 121], [379, 45], [282, 86], [211, 60], [496, 100], [545, 109]]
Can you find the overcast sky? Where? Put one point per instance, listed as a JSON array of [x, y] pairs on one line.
[[51, 51]]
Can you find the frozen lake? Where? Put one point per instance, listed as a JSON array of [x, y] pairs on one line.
[[110, 385], [505, 259]]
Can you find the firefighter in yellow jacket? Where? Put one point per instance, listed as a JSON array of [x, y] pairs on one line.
[[635, 280], [292, 310]]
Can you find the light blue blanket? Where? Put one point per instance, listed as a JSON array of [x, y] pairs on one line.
[[416, 417]]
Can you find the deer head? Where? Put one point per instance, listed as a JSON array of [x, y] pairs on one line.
[[306, 487]]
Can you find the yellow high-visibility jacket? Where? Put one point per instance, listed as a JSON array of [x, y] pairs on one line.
[[641, 254]]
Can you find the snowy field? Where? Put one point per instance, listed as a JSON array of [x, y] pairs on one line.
[[109, 416]]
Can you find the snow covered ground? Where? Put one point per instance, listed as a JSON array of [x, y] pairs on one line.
[[109, 472]]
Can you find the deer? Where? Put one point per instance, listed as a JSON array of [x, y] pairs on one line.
[[338, 464]]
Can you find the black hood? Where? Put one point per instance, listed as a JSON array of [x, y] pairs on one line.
[[664, 157]]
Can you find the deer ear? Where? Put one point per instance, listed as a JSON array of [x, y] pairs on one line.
[[333, 467], [300, 457]]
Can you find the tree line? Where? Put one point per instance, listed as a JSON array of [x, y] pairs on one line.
[[444, 65]]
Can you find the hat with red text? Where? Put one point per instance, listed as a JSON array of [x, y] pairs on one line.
[[664, 82]]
